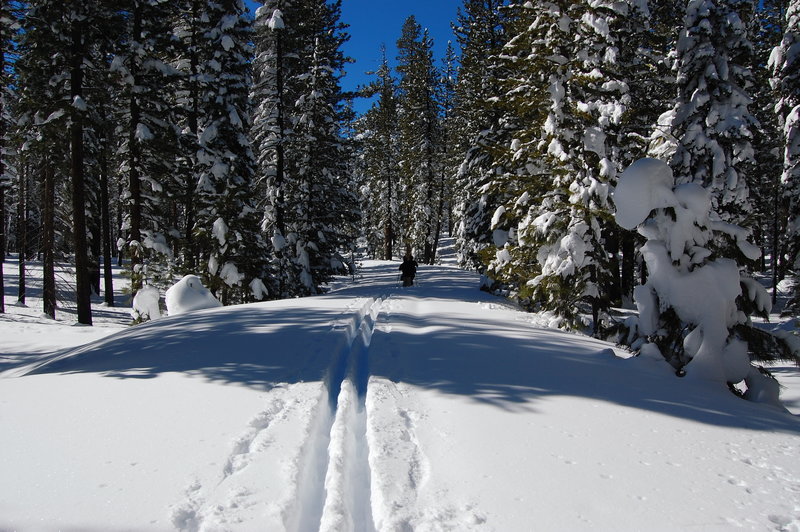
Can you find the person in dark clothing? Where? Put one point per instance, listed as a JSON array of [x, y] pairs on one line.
[[408, 270]]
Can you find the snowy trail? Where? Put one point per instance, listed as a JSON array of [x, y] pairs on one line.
[[380, 409], [334, 484]]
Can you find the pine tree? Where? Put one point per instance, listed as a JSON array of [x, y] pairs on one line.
[[322, 199], [450, 155], [7, 23], [225, 228], [59, 59], [272, 67], [786, 82], [297, 139], [418, 119], [149, 138], [711, 120], [695, 308], [478, 128], [377, 131]]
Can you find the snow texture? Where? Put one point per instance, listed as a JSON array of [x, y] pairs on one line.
[[374, 408]]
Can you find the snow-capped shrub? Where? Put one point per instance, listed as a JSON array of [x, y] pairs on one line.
[[189, 294], [145, 304], [694, 308]]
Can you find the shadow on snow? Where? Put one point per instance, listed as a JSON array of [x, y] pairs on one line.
[[494, 358]]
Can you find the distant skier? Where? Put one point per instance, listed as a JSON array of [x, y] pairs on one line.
[[408, 270]]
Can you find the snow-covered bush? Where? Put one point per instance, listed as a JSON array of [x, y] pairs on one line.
[[189, 294], [694, 308], [145, 304]]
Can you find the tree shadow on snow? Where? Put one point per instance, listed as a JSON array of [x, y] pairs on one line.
[[495, 359]]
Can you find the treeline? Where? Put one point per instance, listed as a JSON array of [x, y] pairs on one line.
[[183, 136], [555, 99], [188, 137]]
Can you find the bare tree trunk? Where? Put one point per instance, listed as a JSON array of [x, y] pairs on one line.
[[83, 287], [776, 203]]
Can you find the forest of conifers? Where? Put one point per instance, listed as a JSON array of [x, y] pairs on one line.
[[188, 136]]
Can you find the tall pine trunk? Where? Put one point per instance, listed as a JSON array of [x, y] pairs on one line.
[[134, 161], [105, 227], [22, 235], [190, 253], [82, 283], [2, 186], [2, 231], [48, 241]]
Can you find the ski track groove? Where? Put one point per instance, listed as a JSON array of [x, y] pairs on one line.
[[334, 491]]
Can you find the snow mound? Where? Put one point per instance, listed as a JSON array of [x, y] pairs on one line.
[[145, 304], [189, 294], [643, 186]]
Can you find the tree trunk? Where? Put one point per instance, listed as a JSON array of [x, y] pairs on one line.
[[22, 235], [612, 247], [190, 254], [48, 242], [439, 211], [2, 189], [628, 276], [388, 227], [105, 227], [2, 233], [119, 223], [776, 203], [134, 184], [82, 284]]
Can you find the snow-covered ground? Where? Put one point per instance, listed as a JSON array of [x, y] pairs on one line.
[[374, 407]]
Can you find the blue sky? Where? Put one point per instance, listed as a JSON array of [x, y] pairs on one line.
[[373, 22]]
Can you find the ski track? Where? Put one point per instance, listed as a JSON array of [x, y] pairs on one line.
[[404, 496], [334, 491]]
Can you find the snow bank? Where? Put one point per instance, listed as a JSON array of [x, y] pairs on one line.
[[189, 294]]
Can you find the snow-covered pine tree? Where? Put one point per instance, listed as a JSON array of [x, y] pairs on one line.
[[450, 154], [7, 23], [225, 229], [418, 120], [695, 307], [379, 154], [149, 139], [322, 202], [605, 86], [573, 96], [786, 82], [61, 58], [39, 135], [512, 147], [274, 67], [297, 65], [478, 128], [768, 220], [711, 121]]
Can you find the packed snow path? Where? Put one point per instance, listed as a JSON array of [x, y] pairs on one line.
[[375, 407]]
